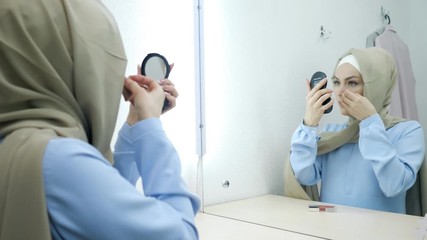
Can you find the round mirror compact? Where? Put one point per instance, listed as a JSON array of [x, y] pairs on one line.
[[156, 67]]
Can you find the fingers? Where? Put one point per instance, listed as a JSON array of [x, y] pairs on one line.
[[307, 85], [170, 93], [131, 85], [138, 69], [317, 87], [144, 81], [147, 97], [314, 105], [129, 89], [319, 95], [165, 86], [323, 98], [169, 87], [328, 105], [136, 83], [126, 93], [171, 100], [357, 105], [321, 84], [350, 98]]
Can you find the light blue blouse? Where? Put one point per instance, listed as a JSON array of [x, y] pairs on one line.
[[374, 173], [87, 198]]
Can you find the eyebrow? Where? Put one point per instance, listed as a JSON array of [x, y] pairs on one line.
[[346, 79]]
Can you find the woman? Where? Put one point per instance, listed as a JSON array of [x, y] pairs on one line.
[[371, 160], [61, 78]]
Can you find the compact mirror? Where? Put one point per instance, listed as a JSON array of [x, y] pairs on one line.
[[156, 67]]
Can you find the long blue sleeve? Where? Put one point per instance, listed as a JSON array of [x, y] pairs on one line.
[[124, 155], [373, 173], [303, 157], [87, 198], [396, 156]]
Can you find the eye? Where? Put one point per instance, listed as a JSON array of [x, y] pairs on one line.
[[335, 82], [352, 83]]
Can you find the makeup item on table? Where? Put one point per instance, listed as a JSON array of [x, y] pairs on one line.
[[321, 208]]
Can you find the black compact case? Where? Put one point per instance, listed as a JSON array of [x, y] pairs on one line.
[[156, 66], [315, 79]]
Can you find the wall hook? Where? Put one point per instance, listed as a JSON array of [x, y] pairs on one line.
[[385, 14], [324, 34]]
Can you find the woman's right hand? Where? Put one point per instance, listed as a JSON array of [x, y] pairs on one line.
[[314, 107], [146, 98]]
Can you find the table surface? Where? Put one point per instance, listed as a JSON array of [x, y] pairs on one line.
[[213, 227], [275, 215]]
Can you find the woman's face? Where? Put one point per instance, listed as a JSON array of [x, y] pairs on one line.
[[347, 78]]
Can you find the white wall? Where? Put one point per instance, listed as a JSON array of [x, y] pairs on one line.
[[258, 54], [417, 44], [418, 40], [166, 27]]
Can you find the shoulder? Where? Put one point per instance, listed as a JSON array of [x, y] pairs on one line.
[[73, 153], [70, 146], [74, 165], [406, 127]]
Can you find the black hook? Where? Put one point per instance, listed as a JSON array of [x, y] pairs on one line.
[[387, 17]]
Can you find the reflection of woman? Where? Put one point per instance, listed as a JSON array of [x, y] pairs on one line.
[[61, 78], [373, 159]]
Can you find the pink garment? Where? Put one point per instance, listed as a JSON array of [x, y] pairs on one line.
[[403, 103]]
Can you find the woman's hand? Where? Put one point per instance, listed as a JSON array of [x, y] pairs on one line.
[[314, 107], [356, 105], [146, 97], [171, 92]]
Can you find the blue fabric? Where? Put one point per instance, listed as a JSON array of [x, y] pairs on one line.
[[87, 198], [374, 173]]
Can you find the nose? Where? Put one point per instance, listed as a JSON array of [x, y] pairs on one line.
[[339, 90]]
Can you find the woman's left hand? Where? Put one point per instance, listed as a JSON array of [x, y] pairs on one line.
[[357, 105], [171, 92]]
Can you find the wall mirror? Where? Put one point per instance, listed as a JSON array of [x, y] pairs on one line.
[[256, 56]]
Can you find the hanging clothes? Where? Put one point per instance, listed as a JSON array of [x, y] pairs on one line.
[[403, 104], [370, 40]]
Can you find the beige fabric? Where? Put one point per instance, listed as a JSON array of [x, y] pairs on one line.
[[379, 74], [422, 190], [61, 75], [294, 190]]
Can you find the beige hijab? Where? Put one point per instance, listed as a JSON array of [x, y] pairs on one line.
[[62, 65], [379, 74]]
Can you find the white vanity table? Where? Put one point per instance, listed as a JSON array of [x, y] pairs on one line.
[[213, 227], [276, 217]]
